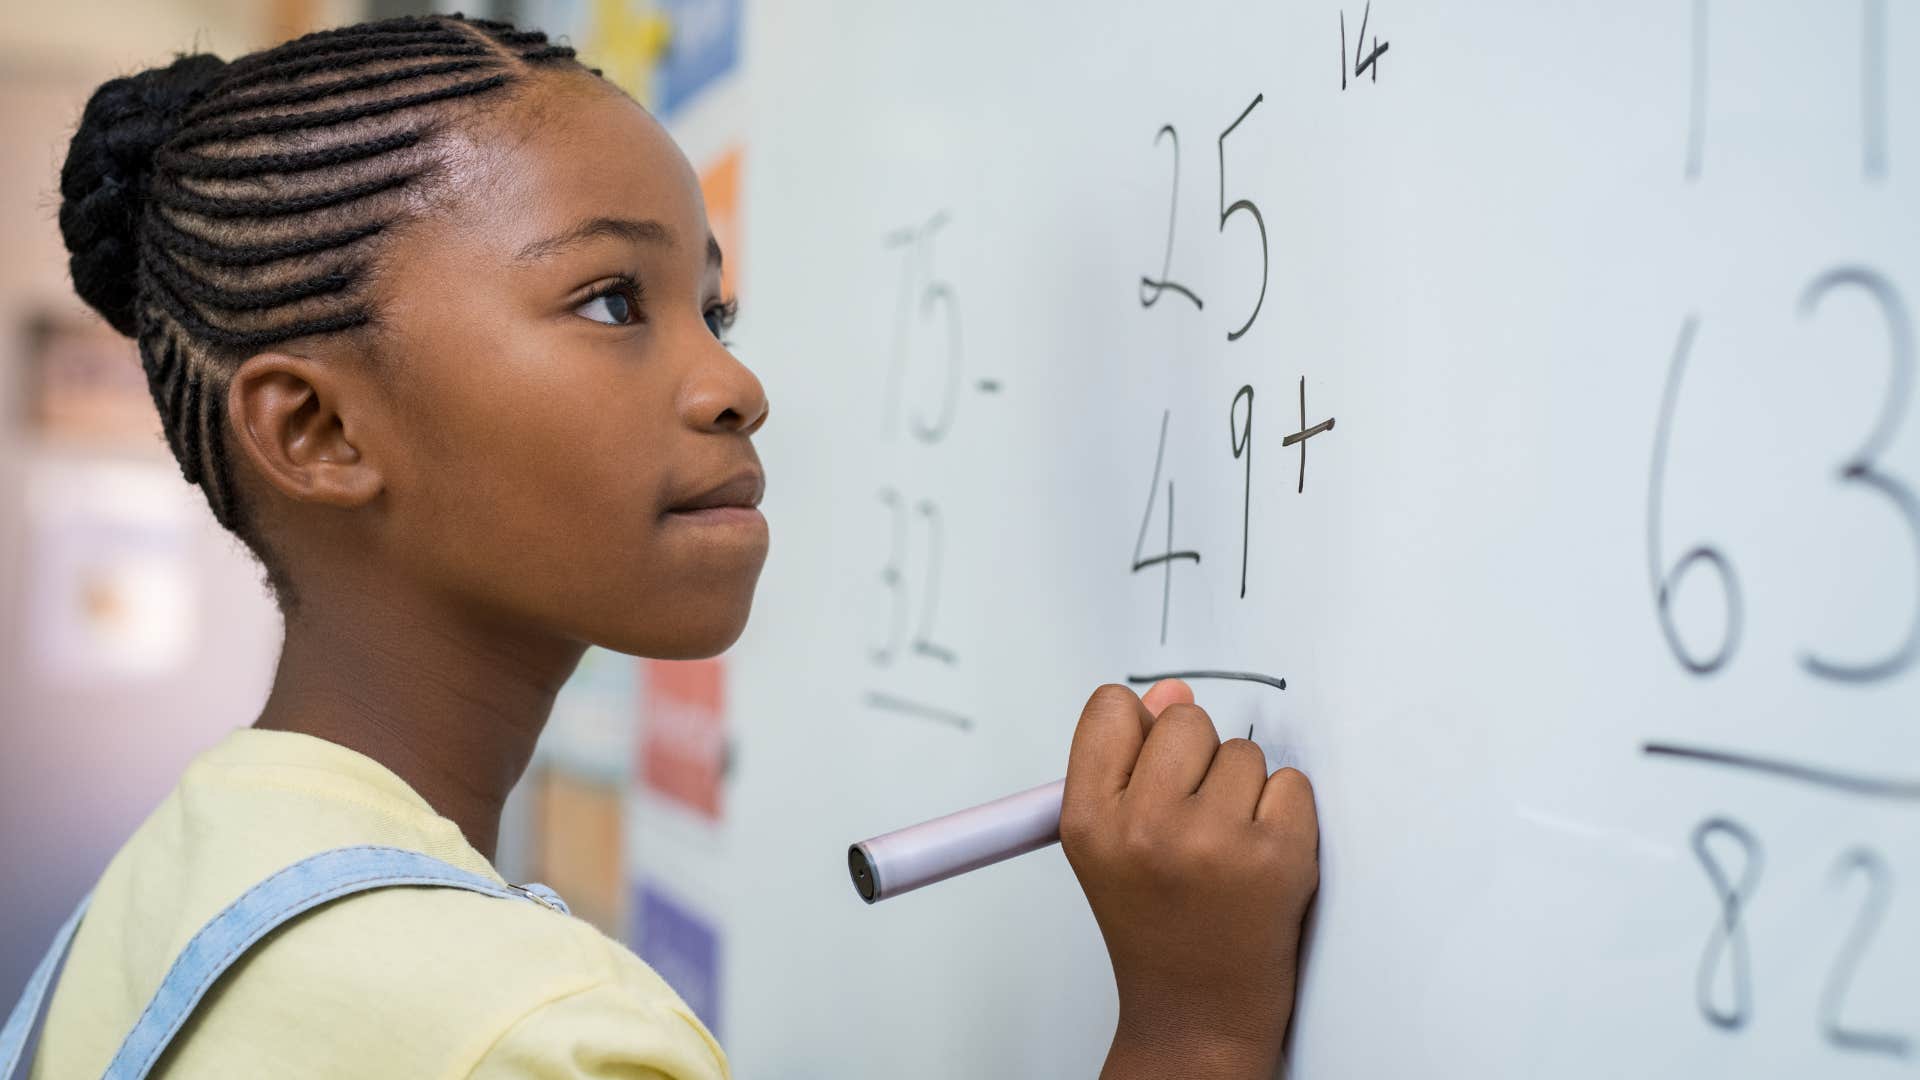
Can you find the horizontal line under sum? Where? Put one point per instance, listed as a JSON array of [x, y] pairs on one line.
[[1241, 676], [1853, 783], [877, 699]]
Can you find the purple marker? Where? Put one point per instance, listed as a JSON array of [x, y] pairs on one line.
[[905, 859]]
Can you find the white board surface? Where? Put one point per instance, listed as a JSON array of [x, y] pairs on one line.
[[1528, 247]]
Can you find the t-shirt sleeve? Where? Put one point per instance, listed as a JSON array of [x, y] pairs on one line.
[[608, 1030]]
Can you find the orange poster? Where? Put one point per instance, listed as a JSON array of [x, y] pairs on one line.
[[720, 183], [577, 846], [683, 741]]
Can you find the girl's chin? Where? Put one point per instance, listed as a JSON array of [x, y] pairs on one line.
[[697, 638]]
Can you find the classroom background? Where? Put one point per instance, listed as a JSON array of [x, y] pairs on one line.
[[134, 632], [1595, 621]]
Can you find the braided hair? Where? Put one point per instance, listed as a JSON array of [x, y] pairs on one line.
[[211, 209]]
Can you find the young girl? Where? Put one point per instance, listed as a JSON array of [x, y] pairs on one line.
[[432, 316]]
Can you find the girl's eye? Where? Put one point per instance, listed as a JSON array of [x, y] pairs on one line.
[[720, 318], [617, 305]]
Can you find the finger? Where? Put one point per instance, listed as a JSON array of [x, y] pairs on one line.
[[1177, 753], [1167, 692], [1236, 779], [1106, 742], [1286, 802]]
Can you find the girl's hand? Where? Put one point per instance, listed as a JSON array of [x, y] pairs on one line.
[[1198, 866]]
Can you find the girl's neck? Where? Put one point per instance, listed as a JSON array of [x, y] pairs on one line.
[[451, 702]]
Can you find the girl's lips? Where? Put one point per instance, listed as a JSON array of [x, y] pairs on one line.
[[742, 491], [721, 515]]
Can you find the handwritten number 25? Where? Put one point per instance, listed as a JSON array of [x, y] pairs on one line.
[[1152, 288]]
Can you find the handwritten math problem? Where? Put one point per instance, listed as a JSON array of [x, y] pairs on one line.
[[926, 321], [1240, 410], [1515, 429], [1729, 993]]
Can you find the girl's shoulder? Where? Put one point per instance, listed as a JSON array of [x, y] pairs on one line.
[[405, 980]]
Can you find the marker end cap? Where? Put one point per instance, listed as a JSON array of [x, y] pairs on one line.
[[862, 871]]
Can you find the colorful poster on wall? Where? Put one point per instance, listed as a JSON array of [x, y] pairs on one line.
[[720, 185], [683, 742], [683, 948], [590, 731], [577, 844], [703, 46], [626, 40], [84, 384]]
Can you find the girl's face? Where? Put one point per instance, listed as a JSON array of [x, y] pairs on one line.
[[567, 437]]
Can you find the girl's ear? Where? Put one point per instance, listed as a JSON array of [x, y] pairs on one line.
[[295, 420]]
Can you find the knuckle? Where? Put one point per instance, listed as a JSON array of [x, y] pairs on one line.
[[1294, 784], [1184, 712], [1076, 828], [1244, 750], [1189, 721], [1108, 697], [1139, 841], [1293, 795], [1211, 847], [1152, 851]]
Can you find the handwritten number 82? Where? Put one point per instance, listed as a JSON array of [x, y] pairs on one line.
[[1727, 958]]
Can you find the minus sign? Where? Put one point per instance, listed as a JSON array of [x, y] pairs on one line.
[[988, 386]]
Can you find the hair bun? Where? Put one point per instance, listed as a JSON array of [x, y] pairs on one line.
[[103, 183]]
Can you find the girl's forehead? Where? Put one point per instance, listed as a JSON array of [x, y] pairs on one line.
[[570, 149]]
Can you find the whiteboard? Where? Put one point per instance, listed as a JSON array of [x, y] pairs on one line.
[[1609, 302]]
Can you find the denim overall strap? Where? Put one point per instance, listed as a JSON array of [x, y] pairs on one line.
[[13, 1037], [314, 880]]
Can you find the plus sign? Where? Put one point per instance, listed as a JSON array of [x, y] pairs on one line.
[[1305, 433]]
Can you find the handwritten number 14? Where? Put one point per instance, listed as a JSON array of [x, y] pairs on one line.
[[1369, 65]]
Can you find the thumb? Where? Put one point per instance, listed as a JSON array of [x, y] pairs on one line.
[[1167, 692]]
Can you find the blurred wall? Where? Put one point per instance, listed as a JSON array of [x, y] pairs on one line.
[[133, 631]]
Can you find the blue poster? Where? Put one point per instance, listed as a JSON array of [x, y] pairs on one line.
[[684, 949], [703, 46]]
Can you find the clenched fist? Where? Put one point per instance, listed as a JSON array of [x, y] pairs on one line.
[[1198, 866]]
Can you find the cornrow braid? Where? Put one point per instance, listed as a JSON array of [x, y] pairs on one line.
[[214, 209], [359, 55], [311, 92], [239, 166], [529, 45]]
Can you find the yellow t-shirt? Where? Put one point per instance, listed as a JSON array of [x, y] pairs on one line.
[[413, 982]]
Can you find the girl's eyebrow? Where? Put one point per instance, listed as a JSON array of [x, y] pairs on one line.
[[633, 229]]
